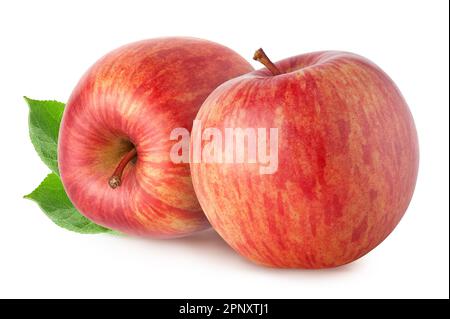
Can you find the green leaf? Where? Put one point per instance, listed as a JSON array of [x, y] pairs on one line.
[[44, 120], [52, 199]]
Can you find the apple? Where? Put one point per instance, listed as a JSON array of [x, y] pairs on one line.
[[347, 160], [114, 144]]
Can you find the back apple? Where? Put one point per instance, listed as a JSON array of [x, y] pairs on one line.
[[345, 167], [114, 139]]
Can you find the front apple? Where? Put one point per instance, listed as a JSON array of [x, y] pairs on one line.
[[346, 164], [114, 139]]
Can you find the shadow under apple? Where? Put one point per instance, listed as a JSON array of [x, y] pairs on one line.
[[208, 245]]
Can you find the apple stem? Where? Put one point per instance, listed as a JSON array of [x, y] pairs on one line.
[[261, 56], [116, 179]]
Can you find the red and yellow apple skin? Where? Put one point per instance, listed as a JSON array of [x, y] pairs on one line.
[[136, 95], [348, 162]]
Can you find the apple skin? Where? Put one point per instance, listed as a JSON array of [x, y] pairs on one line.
[[348, 162], [136, 95]]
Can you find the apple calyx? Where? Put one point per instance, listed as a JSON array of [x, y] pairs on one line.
[[116, 178], [261, 57]]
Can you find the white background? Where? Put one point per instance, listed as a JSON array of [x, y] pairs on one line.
[[46, 46]]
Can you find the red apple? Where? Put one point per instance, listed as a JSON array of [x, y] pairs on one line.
[[347, 161], [114, 139]]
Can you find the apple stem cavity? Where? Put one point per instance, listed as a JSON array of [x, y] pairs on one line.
[[261, 57], [116, 179]]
